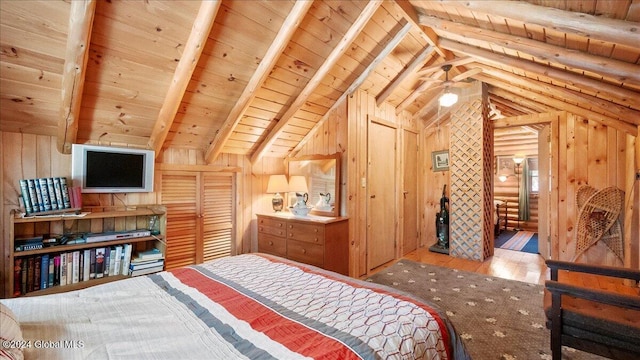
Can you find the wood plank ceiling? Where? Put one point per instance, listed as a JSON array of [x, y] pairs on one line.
[[256, 77]]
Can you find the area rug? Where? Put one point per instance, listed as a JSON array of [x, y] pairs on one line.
[[496, 318], [525, 241]]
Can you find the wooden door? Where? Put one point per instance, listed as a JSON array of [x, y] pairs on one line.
[[218, 215], [410, 192], [180, 194], [200, 216], [381, 185], [544, 157]]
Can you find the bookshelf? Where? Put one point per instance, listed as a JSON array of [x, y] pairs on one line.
[[95, 220]]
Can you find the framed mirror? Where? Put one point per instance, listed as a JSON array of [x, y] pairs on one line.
[[322, 175]]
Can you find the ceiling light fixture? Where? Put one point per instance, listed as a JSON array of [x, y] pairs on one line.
[[448, 98]]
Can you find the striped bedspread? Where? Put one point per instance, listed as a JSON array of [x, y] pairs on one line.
[[249, 306]]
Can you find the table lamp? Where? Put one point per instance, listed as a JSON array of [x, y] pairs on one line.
[[277, 184]]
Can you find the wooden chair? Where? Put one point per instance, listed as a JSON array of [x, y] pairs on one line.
[[501, 219], [601, 322]]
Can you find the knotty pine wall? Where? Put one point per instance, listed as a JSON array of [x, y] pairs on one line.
[[589, 153], [433, 138]]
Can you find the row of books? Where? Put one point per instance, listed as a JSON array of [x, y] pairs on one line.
[[49, 194], [38, 272]]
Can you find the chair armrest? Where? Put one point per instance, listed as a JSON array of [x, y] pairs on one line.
[[612, 271], [604, 297]]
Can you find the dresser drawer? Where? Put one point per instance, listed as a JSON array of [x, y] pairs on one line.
[[306, 232], [272, 245], [271, 226], [305, 252]]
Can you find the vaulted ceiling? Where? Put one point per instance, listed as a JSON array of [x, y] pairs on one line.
[[257, 77]]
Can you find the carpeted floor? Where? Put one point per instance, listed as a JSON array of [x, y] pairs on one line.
[[525, 241], [496, 318]]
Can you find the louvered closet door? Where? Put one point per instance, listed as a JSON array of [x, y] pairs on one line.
[[180, 194], [218, 215]]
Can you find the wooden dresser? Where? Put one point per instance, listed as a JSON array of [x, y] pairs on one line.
[[315, 240]]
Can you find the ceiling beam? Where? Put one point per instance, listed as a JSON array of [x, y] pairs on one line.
[[410, 69], [410, 14], [455, 62], [585, 101], [559, 104], [268, 61], [357, 82], [621, 71], [417, 92], [75, 69], [182, 75], [313, 83], [614, 93], [519, 103], [573, 23], [529, 119]]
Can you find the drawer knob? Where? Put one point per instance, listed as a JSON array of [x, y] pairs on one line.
[[280, 224], [316, 239], [261, 228], [290, 226], [304, 251], [290, 235], [316, 230], [270, 243]]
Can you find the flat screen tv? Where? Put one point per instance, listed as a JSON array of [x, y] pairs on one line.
[[103, 169]]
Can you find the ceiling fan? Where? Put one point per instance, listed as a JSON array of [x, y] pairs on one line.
[[448, 97]]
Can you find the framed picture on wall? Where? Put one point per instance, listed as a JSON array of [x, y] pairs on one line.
[[505, 165], [440, 160]]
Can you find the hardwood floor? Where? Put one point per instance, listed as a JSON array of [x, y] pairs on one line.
[[515, 265]]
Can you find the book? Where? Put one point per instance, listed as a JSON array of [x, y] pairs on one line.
[[118, 260], [44, 193], [75, 270], [146, 271], [81, 266], [69, 268], [52, 268], [23, 276], [17, 276], [30, 273], [56, 270], [126, 258], [44, 271], [107, 258], [24, 191], [112, 261], [86, 265], [52, 194], [37, 272], [150, 254], [33, 195], [155, 263], [57, 187], [65, 194], [63, 269], [92, 263], [100, 254]]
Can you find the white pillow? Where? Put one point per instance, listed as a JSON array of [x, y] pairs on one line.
[[10, 334]]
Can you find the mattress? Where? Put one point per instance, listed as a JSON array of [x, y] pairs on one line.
[[251, 306]]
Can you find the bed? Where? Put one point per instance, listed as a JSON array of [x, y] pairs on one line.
[[252, 306]]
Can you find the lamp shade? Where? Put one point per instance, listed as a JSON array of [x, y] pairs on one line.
[[448, 99], [298, 183], [518, 159], [277, 184]]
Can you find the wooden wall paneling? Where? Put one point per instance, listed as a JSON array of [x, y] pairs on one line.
[[543, 202], [563, 182], [553, 214], [433, 139]]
